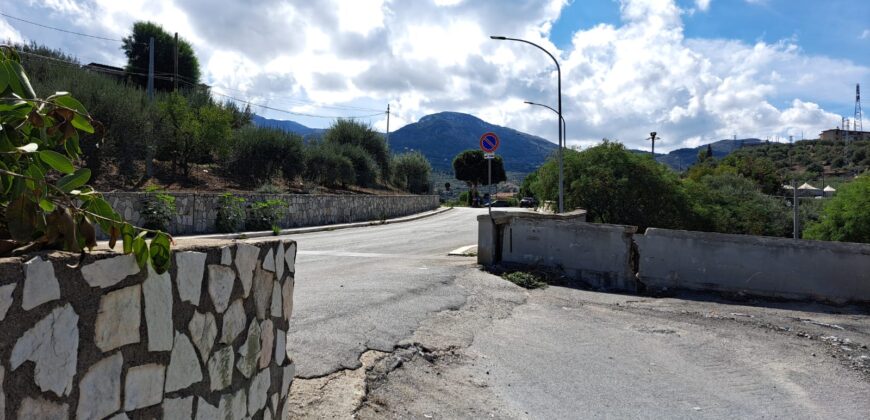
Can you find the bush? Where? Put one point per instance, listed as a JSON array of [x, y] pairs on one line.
[[525, 280], [324, 166], [158, 209], [411, 172], [358, 134], [846, 216], [260, 153], [264, 215], [364, 167], [230, 213], [729, 203]]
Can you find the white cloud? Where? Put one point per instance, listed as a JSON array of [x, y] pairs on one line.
[[865, 34], [619, 81], [8, 33]]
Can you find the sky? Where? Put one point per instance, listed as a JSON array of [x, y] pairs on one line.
[[694, 71]]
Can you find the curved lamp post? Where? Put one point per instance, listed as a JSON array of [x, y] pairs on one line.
[[564, 129], [560, 121]]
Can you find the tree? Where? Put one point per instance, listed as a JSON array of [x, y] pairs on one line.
[[471, 167], [259, 153], [411, 172], [358, 134], [325, 167], [365, 168], [190, 132], [615, 185], [846, 217], [731, 203], [136, 49]]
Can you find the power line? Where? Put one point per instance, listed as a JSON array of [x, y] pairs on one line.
[[61, 30], [304, 102], [302, 114]]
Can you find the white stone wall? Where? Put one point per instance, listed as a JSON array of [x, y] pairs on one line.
[[204, 340], [196, 212]]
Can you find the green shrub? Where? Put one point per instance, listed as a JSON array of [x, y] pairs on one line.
[[230, 213], [264, 215], [364, 167], [846, 217], [260, 153], [356, 133], [324, 166], [268, 188], [411, 172], [525, 280], [158, 209]]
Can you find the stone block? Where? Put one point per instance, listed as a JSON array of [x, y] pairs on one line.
[[118, 318], [233, 406], [263, 281], [52, 345], [249, 353], [235, 322], [2, 394], [6, 298], [203, 331], [269, 261], [276, 308], [110, 271], [287, 297], [226, 255], [258, 393], [287, 380], [220, 286], [220, 368], [290, 257], [38, 408], [40, 284], [246, 261], [191, 267], [184, 368], [143, 386], [178, 408], [280, 347], [100, 389], [206, 411], [279, 261], [157, 290], [267, 343]]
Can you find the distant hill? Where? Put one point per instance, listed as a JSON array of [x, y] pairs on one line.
[[681, 159], [288, 126], [440, 137]]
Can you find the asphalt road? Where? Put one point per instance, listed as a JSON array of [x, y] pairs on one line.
[[461, 343]]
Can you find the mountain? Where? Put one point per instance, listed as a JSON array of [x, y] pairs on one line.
[[440, 137], [288, 126], [681, 159]]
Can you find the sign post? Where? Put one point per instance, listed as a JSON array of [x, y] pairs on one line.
[[489, 143]]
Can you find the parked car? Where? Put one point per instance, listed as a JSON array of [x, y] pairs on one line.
[[529, 202]]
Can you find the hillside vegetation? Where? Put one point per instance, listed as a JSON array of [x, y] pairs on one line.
[[188, 140]]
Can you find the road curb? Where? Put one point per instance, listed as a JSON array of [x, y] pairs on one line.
[[267, 233]]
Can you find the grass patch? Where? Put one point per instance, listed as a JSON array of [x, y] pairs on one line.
[[525, 279]]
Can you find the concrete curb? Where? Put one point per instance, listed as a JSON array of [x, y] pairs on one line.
[[262, 234]]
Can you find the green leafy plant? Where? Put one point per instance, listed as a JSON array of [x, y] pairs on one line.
[[525, 280], [846, 217], [264, 215], [44, 199], [230, 213], [158, 209]]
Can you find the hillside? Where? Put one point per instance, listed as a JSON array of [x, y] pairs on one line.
[[443, 135], [440, 137], [681, 159]]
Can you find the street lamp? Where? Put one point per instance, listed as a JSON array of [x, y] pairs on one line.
[[564, 129], [560, 121]]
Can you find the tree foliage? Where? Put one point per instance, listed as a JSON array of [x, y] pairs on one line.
[[44, 199], [259, 154], [350, 132], [731, 203], [136, 49], [325, 167], [846, 216], [192, 134], [471, 166], [615, 185], [411, 172]]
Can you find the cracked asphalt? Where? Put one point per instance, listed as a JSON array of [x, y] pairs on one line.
[[441, 339]]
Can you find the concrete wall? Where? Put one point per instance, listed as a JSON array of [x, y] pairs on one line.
[[196, 212], [763, 266], [205, 340], [615, 258]]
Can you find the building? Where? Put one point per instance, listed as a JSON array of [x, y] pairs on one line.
[[836, 134]]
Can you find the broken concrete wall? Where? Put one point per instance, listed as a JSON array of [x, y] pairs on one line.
[[205, 340], [196, 212], [763, 266]]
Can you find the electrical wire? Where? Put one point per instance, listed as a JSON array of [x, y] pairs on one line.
[[61, 30]]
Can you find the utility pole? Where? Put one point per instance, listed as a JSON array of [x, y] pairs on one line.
[[652, 136], [388, 127], [175, 78], [796, 221], [149, 166]]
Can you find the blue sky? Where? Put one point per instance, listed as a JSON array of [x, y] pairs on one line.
[[693, 70], [832, 28]]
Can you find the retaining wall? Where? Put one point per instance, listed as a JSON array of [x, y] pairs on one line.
[[613, 257], [205, 340], [196, 212], [764, 266]]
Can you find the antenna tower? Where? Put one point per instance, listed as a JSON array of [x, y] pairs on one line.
[[857, 123]]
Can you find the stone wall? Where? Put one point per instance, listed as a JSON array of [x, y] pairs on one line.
[[205, 340], [614, 257], [196, 212]]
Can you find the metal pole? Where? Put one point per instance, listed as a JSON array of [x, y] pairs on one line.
[[175, 78], [559, 121], [149, 165], [796, 220], [388, 127], [489, 169]]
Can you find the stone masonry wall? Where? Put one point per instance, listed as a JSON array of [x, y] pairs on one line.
[[205, 340], [196, 212]]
